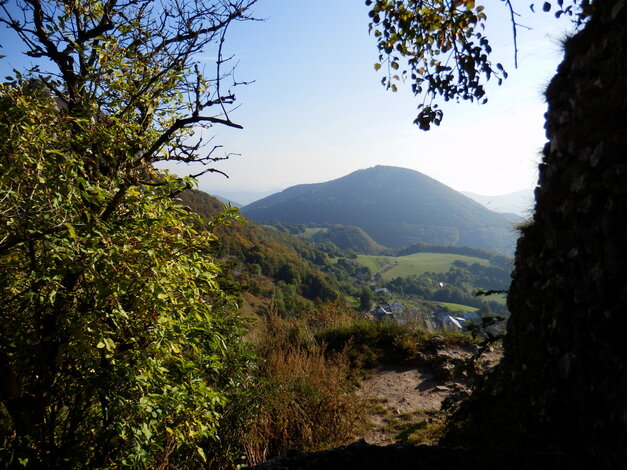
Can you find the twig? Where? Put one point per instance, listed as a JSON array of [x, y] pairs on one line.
[[512, 14]]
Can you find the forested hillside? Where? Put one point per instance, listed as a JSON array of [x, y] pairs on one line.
[[394, 206], [305, 265], [329, 237], [249, 248]]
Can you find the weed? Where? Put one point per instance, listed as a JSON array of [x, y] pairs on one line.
[[371, 343], [305, 395], [416, 427]]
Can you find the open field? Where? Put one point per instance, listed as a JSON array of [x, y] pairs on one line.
[[311, 231], [499, 298], [455, 308], [417, 263]]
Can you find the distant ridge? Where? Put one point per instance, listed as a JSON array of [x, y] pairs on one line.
[[519, 202], [395, 206], [227, 201], [242, 197]]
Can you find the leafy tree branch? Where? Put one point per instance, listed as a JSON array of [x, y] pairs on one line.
[[118, 346], [440, 48]]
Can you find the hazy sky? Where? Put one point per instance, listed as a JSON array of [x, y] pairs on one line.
[[317, 110]]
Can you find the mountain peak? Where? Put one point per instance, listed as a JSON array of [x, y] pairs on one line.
[[395, 206]]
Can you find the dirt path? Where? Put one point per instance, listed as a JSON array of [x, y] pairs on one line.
[[408, 398]]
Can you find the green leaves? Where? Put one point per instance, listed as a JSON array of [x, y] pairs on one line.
[[106, 343], [113, 327], [438, 46]]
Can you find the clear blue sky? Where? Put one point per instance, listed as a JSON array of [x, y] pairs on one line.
[[317, 110]]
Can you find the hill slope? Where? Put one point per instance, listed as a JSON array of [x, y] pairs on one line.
[[348, 238], [395, 206], [277, 255]]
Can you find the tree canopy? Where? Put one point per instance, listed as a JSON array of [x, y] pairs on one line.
[[117, 347]]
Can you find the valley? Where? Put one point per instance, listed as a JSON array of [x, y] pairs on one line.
[[310, 262], [376, 336]]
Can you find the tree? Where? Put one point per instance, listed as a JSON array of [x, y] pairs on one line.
[[559, 396], [365, 299], [116, 342]]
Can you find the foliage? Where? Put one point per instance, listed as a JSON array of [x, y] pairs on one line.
[[369, 343], [446, 50], [332, 239], [453, 287], [348, 270], [348, 238], [439, 46], [116, 345], [262, 250], [305, 396], [443, 277], [365, 299], [113, 338]]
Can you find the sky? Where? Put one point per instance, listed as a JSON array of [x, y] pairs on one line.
[[317, 111]]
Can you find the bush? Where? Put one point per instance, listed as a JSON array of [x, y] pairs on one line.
[[116, 338], [369, 343]]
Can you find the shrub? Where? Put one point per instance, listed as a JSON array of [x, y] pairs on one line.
[[369, 343]]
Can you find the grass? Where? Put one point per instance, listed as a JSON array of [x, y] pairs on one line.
[[499, 298], [417, 263], [375, 263], [416, 427], [311, 231], [423, 431], [368, 343], [455, 308], [305, 395]]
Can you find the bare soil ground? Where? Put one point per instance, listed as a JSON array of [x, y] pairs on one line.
[[405, 402]]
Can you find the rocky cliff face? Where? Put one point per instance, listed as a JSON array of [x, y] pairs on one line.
[[562, 389]]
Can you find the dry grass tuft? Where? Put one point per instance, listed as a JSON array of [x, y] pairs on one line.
[[305, 396]]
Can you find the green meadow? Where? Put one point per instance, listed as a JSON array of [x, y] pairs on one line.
[[311, 231], [455, 308], [391, 267]]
